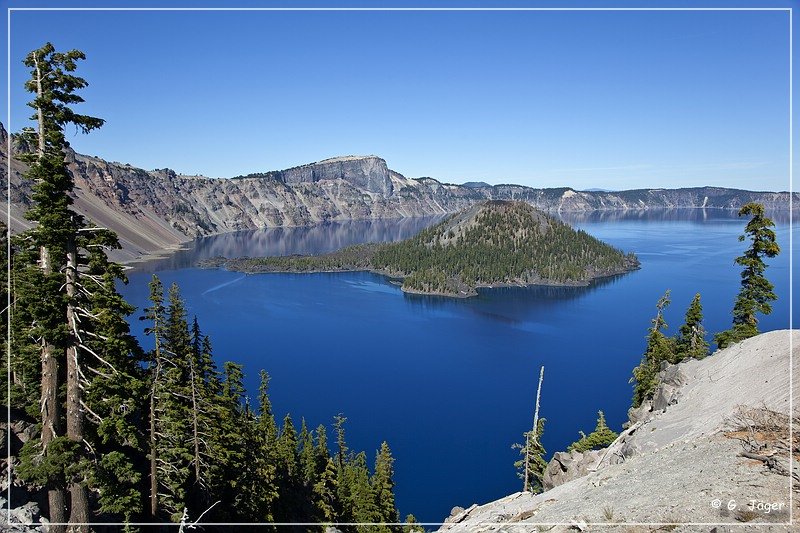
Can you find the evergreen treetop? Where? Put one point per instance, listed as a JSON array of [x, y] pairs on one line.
[[601, 437]]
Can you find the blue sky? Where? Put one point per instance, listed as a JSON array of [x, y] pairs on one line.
[[614, 99]]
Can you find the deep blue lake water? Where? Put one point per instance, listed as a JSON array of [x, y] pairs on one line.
[[451, 384]]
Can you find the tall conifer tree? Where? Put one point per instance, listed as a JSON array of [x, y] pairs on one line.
[[78, 316], [383, 486], [54, 86], [691, 342], [756, 291], [659, 348]]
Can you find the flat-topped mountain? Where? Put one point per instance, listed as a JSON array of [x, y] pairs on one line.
[[158, 209], [495, 243], [366, 172]]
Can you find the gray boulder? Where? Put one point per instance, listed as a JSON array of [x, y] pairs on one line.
[[671, 381], [566, 466]]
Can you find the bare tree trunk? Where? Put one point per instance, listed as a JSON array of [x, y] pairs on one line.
[[153, 453], [51, 408], [526, 485], [79, 496], [153, 465]]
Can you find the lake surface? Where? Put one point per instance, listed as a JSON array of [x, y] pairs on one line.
[[451, 384]]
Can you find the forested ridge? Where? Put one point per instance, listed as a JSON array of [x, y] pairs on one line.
[[495, 243], [125, 435]]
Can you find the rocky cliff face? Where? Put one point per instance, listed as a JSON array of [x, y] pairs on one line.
[[369, 173], [712, 448], [159, 209]]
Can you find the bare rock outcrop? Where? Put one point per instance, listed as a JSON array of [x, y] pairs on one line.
[[566, 466], [24, 511]]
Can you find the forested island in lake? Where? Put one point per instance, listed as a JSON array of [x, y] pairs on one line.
[[495, 243]]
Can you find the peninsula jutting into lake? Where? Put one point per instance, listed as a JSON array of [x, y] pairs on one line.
[[493, 244]]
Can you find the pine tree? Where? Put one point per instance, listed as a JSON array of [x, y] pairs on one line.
[[173, 422], [155, 314], [75, 310], [412, 526], [54, 87], [601, 437], [534, 450], [308, 473], [383, 485], [660, 348], [203, 390], [756, 293], [289, 475], [324, 492], [361, 502], [321, 452], [344, 484], [308, 459], [341, 450], [267, 459], [231, 442], [691, 342], [26, 305], [114, 384]]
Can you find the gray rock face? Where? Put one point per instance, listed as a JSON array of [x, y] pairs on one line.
[[671, 380], [369, 173], [566, 466], [639, 414]]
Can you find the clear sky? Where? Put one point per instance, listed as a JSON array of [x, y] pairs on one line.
[[606, 99]]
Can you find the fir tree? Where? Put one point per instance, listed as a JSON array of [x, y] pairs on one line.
[[289, 476], [756, 293], [324, 492], [344, 483], [383, 485], [691, 342], [412, 526], [310, 471], [115, 387], [361, 501], [601, 437], [57, 225], [341, 450], [68, 302], [536, 457], [26, 303], [174, 410], [155, 314], [230, 448], [308, 459], [660, 348], [266, 442]]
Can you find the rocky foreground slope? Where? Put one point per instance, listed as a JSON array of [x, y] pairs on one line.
[[159, 209], [711, 449]]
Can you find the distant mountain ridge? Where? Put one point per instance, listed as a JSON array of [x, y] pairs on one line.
[[159, 209]]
